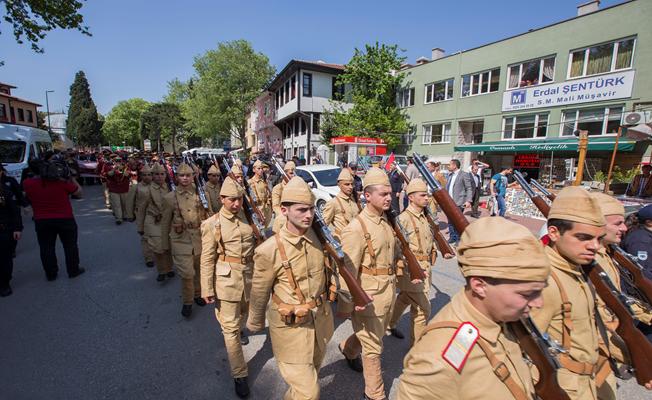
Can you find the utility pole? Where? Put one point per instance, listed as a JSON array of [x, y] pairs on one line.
[[582, 147], [47, 106]]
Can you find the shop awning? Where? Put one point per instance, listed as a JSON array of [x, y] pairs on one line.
[[545, 145]]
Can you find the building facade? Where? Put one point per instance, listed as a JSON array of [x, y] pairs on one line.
[[14, 110], [267, 135], [302, 91], [519, 101]]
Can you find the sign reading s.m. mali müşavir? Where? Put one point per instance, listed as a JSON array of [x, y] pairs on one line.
[[596, 88]]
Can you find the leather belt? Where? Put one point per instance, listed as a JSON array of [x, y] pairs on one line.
[[315, 302], [191, 225], [378, 271], [580, 368], [237, 260], [422, 258]]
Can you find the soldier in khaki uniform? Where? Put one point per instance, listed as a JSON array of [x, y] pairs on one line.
[[212, 190], [290, 267], [343, 208], [261, 191], [369, 245], [415, 295], [277, 192], [226, 272], [506, 269], [149, 212], [142, 191], [236, 170], [182, 217]]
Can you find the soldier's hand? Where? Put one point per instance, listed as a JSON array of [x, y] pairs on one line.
[[209, 299], [448, 256], [415, 281], [648, 385]]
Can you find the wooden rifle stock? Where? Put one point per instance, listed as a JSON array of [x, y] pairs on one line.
[[640, 350], [642, 283], [541, 204], [451, 210], [410, 259]]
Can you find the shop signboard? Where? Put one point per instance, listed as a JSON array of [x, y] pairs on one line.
[[617, 85], [526, 161]]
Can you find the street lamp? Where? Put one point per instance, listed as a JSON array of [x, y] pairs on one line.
[[47, 105]]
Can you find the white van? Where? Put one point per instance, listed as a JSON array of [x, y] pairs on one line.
[[19, 144]]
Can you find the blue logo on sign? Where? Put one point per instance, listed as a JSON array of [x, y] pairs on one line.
[[517, 97]]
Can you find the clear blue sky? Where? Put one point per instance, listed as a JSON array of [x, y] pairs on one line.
[[138, 46]]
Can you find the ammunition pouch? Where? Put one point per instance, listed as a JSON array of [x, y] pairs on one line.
[[178, 228], [297, 314], [157, 218]]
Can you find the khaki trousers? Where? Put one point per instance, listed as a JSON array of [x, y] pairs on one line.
[[609, 388], [419, 312], [163, 262], [148, 254], [105, 190], [190, 284], [118, 205], [231, 316], [303, 379], [130, 201]]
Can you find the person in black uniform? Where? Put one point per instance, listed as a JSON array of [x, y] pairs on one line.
[[11, 227], [10, 183]]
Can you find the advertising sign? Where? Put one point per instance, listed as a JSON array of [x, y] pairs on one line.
[[147, 145]]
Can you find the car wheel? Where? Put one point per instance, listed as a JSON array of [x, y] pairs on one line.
[[320, 205]]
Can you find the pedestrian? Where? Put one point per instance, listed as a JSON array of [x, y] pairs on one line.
[[290, 266], [460, 189], [476, 183], [226, 272], [638, 242], [118, 182], [260, 189], [343, 208], [141, 193], [467, 352], [11, 228], [180, 230], [357, 181], [212, 190], [368, 243], [641, 185], [50, 195], [11, 184], [277, 193], [498, 188], [396, 183]]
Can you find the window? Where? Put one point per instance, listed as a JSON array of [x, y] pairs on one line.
[[12, 151], [481, 83], [287, 91], [293, 84], [525, 126], [21, 114], [30, 116], [437, 133], [3, 111], [337, 89], [598, 121], [601, 58], [307, 85], [530, 73], [266, 112], [439, 91], [276, 104], [406, 97]]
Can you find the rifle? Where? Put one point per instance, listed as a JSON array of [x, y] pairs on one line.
[[543, 190], [539, 351], [199, 184], [538, 201], [334, 248], [171, 186], [252, 217], [251, 196], [442, 244], [640, 350]]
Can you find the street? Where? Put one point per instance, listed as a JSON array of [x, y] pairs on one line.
[[115, 333]]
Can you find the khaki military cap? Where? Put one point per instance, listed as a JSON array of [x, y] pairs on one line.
[[289, 166], [237, 162], [231, 188], [185, 169], [416, 185], [297, 191], [259, 163], [157, 168], [236, 170], [145, 169], [213, 170], [375, 176], [608, 204], [498, 248], [576, 205], [345, 176]]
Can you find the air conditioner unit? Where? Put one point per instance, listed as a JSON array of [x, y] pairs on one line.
[[638, 117]]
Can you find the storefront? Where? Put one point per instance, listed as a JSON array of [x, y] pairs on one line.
[[349, 148]]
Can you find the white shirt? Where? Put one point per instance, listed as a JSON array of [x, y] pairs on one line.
[[452, 180]]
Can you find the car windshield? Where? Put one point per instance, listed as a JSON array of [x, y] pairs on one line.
[[12, 151], [327, 177]]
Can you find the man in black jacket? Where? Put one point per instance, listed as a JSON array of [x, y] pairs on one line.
[[11, 227], [396, 182]]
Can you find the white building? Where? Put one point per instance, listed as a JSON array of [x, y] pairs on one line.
[[302, 91]]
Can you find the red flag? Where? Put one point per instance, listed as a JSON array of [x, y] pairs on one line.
[[390, 161]]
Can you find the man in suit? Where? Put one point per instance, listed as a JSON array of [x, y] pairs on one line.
[[396, 182], [641, 185], [460, 189], [476, 183]]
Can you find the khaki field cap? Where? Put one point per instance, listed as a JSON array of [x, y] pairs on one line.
[[345, 176], [375, 176], [258, 163], [575, 204], [498, 248], [213, 170], [145, 170], [185, 169], [416, 185], [289, 166], [237, 171], [237, 162], [608, 204], [157, 168], [297, 191], [231, 188]]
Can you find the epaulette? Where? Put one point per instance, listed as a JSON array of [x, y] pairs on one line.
[[460, 345]]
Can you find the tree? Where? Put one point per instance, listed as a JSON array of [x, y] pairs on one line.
[[372, 80], [227, 82], [33, 19], [83, 123], [122, 123], [160, 122]]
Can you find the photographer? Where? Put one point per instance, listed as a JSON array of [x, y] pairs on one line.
[[49, 193]]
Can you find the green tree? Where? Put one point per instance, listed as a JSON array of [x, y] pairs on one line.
[[122, 123], [33, 19], [161, 122], [227, 82], [372, 80], [83, 124]]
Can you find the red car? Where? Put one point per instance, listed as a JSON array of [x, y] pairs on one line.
[[87, 169]]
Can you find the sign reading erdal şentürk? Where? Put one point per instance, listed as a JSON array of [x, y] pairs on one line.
[[617, 85]]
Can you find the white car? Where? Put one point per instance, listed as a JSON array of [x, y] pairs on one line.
[[322, 179]]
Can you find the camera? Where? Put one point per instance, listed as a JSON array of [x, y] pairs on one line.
[[55, 170]]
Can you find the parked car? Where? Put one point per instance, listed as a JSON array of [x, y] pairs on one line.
[[322, 179], [377, 161], [87, 169]]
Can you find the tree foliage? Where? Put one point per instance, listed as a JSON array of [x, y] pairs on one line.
[[226, 83], [83, 124], [161, 122], [122, 123], [33, 19], [373, 79]]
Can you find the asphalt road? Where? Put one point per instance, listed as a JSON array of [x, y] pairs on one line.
[[115, 333]]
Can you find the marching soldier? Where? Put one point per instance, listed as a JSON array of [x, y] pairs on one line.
[[368, 242], [467, 352], [141, 193], [277, 192], [182, 217], [290, 267], [236, 170], [117, 180], [133, 169], [212, 190], [260, 188], [415, 295], [149, 212], [343, 208], [226, 272]]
